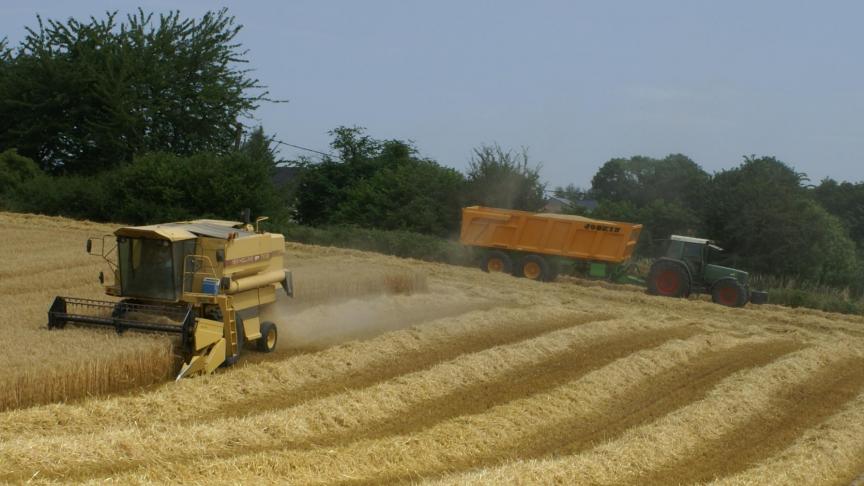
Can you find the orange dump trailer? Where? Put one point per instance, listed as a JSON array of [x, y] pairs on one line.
[[534, 245]]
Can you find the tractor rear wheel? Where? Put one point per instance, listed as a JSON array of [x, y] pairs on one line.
[[668, 278], [534, 267], [267, 341], [497, 261], [729, 292]]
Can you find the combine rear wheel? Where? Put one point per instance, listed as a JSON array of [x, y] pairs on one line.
[[497, 261], [267, 341], [668, 278], [729, 292]]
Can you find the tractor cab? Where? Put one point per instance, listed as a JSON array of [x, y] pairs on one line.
[[697, 254]]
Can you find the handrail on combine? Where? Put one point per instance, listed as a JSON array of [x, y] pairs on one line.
[[192, 268], [102, 249]]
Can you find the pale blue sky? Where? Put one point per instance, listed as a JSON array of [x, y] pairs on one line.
[[575, 82]]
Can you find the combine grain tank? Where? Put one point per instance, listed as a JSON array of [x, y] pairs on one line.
[[536, 245]]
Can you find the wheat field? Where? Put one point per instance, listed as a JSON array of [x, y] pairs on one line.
[[398, 371]]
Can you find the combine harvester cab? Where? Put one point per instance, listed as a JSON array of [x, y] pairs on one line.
[[537, 245], [205, 280]]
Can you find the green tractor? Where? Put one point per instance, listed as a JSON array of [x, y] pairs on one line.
[[685, 269]]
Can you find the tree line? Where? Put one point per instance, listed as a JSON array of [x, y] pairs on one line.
[[764, 212], [140, 120]]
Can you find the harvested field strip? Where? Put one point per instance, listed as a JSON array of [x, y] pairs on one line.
[[81, 456], [832, 452], [492, 435], [673, 389], [540, 376], [410, 361], [351, 366], [660, 445], [791, 412]]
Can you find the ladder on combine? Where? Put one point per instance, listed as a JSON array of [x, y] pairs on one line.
[[233, 336]]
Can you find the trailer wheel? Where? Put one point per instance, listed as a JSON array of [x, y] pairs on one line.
[[497, 261], [669, 279], [554, 270], [729, 292], [535, 267], [267, 341]]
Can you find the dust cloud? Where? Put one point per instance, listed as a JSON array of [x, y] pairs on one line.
[[320, 326]]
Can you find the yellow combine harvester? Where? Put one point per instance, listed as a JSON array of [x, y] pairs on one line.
[[206, 280]]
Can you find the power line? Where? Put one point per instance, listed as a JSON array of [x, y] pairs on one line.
[[280, 142]]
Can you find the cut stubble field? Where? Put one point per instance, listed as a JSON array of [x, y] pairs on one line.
[[392, 370]]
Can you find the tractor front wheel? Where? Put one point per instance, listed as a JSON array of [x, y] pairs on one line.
[[669, 279], [729, 292]]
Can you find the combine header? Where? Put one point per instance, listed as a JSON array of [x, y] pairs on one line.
[[205, 280]]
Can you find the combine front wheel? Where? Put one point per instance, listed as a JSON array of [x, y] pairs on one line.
[[267, 341]]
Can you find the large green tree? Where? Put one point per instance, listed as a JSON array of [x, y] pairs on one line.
[[15, 170], [414, 195], [762, 213], [378, 184], [664, 195], [846, 201], [153, 188], [80, 97], [642, 180], [504, 179]]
